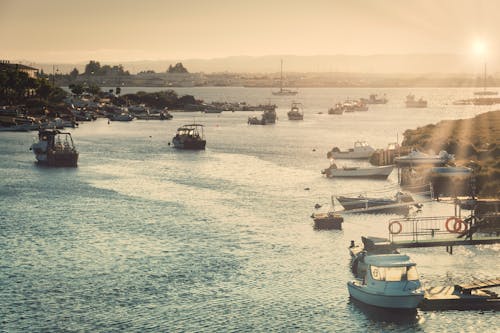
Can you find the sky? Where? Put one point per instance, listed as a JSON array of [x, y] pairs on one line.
[[129, 30]]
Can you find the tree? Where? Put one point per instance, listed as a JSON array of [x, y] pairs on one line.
[[93, 89], [73, 74], [178, 68], [93, 67], [57, 95], [43, 90], [76, 89]]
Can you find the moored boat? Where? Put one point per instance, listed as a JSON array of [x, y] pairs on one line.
[[55, 148], [411, 102], [268, 117], [374, 100], [338, 109], [123, 116], [399, 204], [284, 91], [190, 137], [389, 281], [327, 221], [361, 150], [416, 157], [380, 172], [296, 112]]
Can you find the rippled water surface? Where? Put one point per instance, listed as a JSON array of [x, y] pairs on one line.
[[141, 237]]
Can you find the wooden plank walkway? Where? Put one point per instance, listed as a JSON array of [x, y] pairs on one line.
[[480, 284]]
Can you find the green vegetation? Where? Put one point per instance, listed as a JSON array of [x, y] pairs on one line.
[[178, 68], [16, 87], [95, 68], [159, 100], [80, 88], [475, 140]]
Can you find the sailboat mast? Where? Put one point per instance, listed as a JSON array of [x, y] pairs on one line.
[[281, 76], [484, 79]]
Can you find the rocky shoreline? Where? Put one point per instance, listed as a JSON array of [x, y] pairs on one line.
[[475, 142]]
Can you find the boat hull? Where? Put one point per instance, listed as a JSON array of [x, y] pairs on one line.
[[350, 155], [373, 205], [57, 159], [189, 144], [327, 221], [295, 116], [375, 172], [392, 301]]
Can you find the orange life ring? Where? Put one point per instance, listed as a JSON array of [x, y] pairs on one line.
[[398, 230], [458, 225]]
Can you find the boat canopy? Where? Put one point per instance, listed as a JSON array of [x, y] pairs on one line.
[[394, 274], [360, 144], [389, 260]]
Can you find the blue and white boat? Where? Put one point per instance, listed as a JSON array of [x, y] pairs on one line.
[[390, 281]]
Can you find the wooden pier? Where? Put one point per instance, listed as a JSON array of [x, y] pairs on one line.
[[472, 296]]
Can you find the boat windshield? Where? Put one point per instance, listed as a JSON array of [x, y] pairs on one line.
[[404, 273]]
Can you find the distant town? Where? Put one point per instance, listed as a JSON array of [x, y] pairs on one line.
[[180, 75]]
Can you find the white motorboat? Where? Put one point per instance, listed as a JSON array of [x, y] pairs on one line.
[[418, 158], [121, 117], [374, 100], [389, 281], [361, 150], [378, 172], [55, 148], [190, 137], [411, 102]]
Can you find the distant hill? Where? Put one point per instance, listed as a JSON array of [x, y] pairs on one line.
[[389, 64]]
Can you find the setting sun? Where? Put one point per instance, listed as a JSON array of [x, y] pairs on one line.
[[479, 47]]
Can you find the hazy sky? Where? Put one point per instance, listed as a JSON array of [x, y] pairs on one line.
[[124, 30]]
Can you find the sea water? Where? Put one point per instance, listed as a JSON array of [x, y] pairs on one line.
[[143, 237]]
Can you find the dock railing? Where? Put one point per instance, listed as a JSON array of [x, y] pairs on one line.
[[417, 229]]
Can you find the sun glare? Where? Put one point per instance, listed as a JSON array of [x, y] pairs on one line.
[[479, 47]]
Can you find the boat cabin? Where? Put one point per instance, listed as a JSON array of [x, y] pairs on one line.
[[390, 268], [191, 130]]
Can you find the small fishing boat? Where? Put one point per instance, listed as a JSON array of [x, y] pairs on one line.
[[123, 116], [327, 221], [337, 109], [190, 137], [296, 112], [389, 281], [399, 204], [411, 102], [354, 105], [379, 172], [361, 150], [55, 148], [418, 158], [374, 100], [268, 117]]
